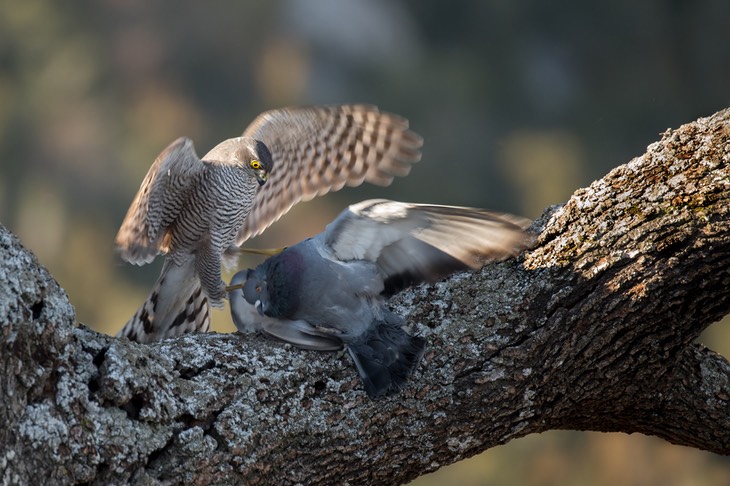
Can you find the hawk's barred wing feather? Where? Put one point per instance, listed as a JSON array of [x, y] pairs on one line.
[[158, 202], [321, 149]]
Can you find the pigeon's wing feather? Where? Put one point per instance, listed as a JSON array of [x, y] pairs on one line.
[[416, 242], [302, 335], [316, 150], [362, 231], [158, 202]]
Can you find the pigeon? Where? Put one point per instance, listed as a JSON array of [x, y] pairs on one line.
[[329, 292]]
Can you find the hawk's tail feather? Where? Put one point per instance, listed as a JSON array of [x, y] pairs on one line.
[[386, 356], [176, 305]]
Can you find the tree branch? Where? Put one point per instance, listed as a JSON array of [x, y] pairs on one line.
[[592, 329]]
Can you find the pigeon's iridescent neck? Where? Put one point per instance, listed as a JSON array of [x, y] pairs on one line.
[[284, 280]]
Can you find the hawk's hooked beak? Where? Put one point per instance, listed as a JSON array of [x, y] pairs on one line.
[[262, 175]]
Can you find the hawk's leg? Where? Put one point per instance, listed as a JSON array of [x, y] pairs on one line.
[[208, 268]]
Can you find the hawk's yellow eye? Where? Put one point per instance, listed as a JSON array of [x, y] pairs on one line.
[[255, 164]]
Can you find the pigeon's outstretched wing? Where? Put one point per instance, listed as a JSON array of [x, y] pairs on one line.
[[321, 149], [171, 177], [412, 243]]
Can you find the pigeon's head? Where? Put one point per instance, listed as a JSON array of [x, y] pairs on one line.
[[255, 290], [243, 313]]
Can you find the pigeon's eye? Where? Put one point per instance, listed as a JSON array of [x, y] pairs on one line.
[[258, 289], [255, 164]]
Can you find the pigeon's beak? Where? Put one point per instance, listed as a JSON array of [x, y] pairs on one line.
[[259, 307]]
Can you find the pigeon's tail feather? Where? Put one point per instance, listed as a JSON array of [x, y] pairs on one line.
[[176, 305], [385, 356]]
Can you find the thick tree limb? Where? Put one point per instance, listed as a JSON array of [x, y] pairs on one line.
[[593, 329]]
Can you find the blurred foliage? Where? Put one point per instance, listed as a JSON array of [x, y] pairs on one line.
[[520, 103]]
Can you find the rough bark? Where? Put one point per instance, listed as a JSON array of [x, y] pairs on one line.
[[593, 329]]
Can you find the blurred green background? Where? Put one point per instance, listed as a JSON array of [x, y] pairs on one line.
[[520, 103]]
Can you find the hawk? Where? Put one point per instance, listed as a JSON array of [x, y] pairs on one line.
[[195, 211]]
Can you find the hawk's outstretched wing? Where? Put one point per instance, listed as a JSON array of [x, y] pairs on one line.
[[158, 202], [321, 149]]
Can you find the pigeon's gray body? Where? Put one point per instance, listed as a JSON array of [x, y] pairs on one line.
[[329, 291], [194, 210], [347, 293]]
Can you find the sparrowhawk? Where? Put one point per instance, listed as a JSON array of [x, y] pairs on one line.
[[193, 210], [329, 291]]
